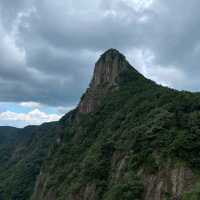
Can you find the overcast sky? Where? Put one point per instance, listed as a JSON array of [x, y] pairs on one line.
[[48, 49]]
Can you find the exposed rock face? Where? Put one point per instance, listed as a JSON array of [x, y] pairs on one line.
[[106, 73], [168, 183], [108, 68], [116, 152], [173, 182]]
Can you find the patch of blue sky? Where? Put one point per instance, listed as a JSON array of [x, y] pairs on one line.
[[13, 107]]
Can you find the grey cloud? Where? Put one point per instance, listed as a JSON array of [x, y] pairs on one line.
[[85, 29], [63, 39], [175, 33], [9, 10]]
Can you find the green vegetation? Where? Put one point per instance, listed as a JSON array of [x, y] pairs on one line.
[[22, 152], [131, 189], [142, 121], [194, 194], [138, 128]]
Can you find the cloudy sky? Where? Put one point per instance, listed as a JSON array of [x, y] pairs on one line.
[[48, 49]]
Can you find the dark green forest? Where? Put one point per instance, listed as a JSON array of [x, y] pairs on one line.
[[138, 130]]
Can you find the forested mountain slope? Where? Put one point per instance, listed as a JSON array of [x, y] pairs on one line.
[[128, 139], [22, 152]]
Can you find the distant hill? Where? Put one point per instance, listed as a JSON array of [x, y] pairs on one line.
[[22, 151], [128, 139]]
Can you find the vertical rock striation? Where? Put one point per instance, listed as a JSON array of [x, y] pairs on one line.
[[134, 147], [106, 76]]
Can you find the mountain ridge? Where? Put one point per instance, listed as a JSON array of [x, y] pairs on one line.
[[130, 139], [124, 146], [108, 68], [106, 77]]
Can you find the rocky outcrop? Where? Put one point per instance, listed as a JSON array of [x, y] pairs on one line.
[[95, 159], [108, 68], [169, 184], [106, 75]]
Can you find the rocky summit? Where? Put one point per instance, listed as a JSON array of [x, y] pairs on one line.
[[128, 139], [108, 69]]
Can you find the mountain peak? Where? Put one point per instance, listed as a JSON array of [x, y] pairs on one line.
[[108, 67], [105, 78], [111, 54]]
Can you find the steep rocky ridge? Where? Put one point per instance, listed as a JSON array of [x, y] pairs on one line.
[[128, 139], [106, 78]]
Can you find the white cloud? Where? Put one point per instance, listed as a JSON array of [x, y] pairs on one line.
[[31, 104], [170, 76], [35, 117], [144, 61], [139, 5], [63, 110]]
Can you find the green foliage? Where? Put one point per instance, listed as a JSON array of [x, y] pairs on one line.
[[130, 190], [194, 194], [146, 122], [96, 165], [26, 151], [137, 126]]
